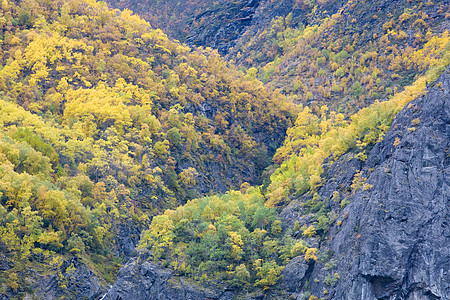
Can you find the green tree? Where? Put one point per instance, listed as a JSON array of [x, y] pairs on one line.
[[268, 273]]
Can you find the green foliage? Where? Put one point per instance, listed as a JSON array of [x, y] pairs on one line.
[[267, 272], [98, 112], [13, 281], [226, 237], [316, 137], [331, 279], [118, 103], [35, 141]]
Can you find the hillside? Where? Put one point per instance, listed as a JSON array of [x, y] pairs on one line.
[[106, 122], [384, 239], [310, 162], [343, 54], [391, 240], [216, 24]]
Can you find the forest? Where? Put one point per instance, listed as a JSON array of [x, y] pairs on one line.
[[109, 125]]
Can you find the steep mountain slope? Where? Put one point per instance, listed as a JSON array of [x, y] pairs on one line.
[[109, 128], [104, 123], [150, 70], [391, 240], [216, 24], [344, 54], [193, 242]]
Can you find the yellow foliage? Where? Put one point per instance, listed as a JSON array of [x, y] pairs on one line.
[[101, 102], [309, 231], [311, 254]]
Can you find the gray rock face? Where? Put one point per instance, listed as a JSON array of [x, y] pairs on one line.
[[394, 242], [75, 281], [402, 244], [294, 273], [127, 237], [224, 25], [146, 280]]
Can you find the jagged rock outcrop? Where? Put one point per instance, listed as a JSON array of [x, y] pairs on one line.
[[74, 281], [216, 24], [223, 25], [394, 242], [127, 238], [146, 280], [219, 24]]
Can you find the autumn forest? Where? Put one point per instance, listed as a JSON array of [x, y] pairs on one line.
[[111, 130]]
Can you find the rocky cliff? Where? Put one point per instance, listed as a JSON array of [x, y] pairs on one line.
[[220, 24], [216, 24], [390, 242], [145, 280], [395, 234], [74, 281]]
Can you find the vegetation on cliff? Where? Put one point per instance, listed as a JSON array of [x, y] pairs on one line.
[[106, 123], [345, 54]]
